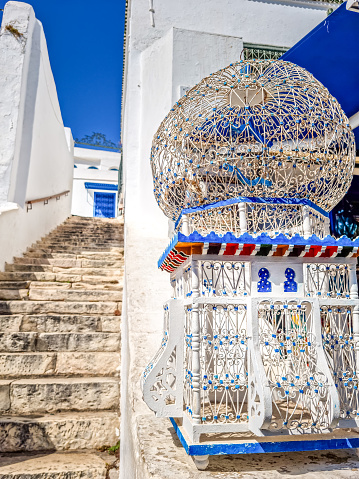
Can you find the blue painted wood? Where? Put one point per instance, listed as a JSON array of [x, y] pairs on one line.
[[258, 447], [263, 285], [101, 186], [290, 286], [104, 205]]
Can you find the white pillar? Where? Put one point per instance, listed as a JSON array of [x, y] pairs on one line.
[[242, 218], [185, 225], [326, 226], [353, 285], [354, 295], [196, 340], [307, 231]]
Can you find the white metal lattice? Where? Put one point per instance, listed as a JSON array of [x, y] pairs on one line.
[[223, 361], [299, 387], [258, 129]]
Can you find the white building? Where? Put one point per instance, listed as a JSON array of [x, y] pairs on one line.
[[95, 186], [170, 46]]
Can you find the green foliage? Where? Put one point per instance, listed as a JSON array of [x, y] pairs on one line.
[[112, 450]]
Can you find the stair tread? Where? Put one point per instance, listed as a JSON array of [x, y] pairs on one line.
[[62, 380], [51, 465]]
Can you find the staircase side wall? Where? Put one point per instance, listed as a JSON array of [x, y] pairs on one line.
[[36, 155]]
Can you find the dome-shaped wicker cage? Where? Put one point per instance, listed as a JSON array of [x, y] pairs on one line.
[[257, 129]]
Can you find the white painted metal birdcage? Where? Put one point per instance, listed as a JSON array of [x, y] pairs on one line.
[[261, 336], [264, 134]]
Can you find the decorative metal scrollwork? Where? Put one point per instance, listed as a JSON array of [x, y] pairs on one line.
[[327, 280], [301, 387], [223, 359], [341, 345], [258, 129]]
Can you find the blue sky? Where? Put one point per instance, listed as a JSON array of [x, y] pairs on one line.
[[85, 43]]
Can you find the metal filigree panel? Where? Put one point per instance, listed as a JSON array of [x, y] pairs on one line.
[[341, 347], [327, 280], [223, 278], [264, 217], [223, 362], [258, 129], [300, 387]]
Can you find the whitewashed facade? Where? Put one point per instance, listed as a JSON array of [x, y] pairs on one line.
[[96, 174]]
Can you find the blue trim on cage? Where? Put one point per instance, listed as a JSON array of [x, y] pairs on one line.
[[264, 447], [248, 199]]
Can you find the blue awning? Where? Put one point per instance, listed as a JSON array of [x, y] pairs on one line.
[[331, 53], [101, 186]]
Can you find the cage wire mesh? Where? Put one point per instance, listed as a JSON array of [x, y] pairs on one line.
[[257, 129]]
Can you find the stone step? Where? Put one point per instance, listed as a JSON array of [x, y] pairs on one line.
[[83, 234], [18, 342], [95, 241], [69, 244], [91, 255], [89, 226], [33, 341], [109, 271], [63, 431], [88, 363], [71, 263], [56, 394], [69, 247], [39, 254], [56, 307], [50, 284], [14, 284], [69, 364], [38, 294], [10, 268], [61, 262], [103, 286], [110, 286], [10, 323], [74, 249], [101, 263], [80, 342], [74, 275], [27, 276], [13, 294], [15, 365], [102, 238], [84, 465], [46, 323]]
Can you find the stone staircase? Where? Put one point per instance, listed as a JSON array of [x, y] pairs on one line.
[[60, 307]]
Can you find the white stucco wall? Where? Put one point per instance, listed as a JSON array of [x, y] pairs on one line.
[[188, 41], [36, 158]]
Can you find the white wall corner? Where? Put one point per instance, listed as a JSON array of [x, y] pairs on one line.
[[15, 51], [197, 54], [70, 140]]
